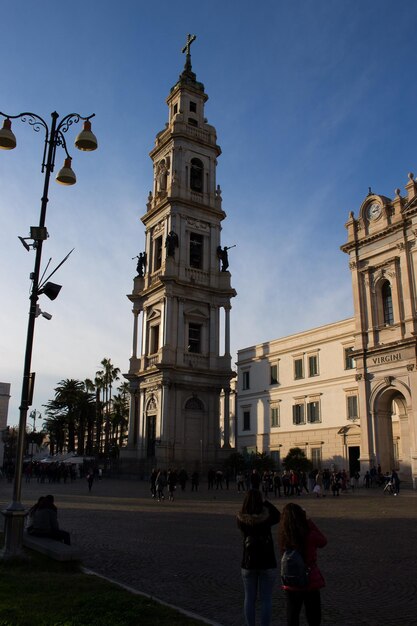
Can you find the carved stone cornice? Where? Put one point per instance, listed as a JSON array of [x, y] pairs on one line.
[[351, 245], [198, 224], [158, 227]]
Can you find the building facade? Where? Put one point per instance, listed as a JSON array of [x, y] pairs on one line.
[[181, 362], [301, 391], [346, 393], [383, 260]]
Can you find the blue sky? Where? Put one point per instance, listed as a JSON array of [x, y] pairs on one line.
[[314, 101]]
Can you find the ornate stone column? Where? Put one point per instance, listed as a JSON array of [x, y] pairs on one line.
[[226, 418], [135, 334], [227, 331]]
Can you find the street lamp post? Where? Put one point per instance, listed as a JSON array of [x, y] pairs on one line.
[[54, 137]]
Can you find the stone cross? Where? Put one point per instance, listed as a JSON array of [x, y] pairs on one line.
[[190, 39]]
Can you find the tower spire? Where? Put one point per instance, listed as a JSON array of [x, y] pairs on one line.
[[187, 76]]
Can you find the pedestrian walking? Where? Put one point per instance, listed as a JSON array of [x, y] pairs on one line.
[[172, 484], [240, 481], [160, 484], [152, 482], [277, 484], [396, 482], [195, 481], [90, 478]]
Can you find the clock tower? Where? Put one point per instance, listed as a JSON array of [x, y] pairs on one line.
[[382, 249], [180, 369]]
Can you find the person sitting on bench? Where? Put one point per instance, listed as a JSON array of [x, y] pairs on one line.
[[44, 518]]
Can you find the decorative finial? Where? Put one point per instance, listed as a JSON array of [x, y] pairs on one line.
[[369, 191], [411, 176], [397, 192]]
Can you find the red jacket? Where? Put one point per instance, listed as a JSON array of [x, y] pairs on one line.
[[315, 539]]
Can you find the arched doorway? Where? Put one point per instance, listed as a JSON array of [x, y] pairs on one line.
[[151, 428], [193, 430], [391, 431]]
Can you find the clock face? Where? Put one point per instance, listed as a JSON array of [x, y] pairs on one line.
[[374, 211]]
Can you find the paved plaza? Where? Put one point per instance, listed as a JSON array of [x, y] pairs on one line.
[[187, 553]]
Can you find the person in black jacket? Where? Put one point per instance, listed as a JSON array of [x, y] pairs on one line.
[[259, 565]]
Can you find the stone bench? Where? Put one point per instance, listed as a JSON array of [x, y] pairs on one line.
[[54, 549]]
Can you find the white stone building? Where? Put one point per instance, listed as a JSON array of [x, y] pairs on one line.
[[301, 391], [347, 392]]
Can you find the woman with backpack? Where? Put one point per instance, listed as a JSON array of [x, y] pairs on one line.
[[299, 538], [259, 565]]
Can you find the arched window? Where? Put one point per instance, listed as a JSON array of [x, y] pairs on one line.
[[387, 304], [194, 404], [196, 175]]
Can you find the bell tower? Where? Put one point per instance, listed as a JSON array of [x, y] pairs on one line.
[[181, 363]]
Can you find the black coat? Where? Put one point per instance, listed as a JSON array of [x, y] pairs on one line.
[[258, 545]]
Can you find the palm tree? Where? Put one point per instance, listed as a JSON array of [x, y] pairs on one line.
[[100, 391], [124, 389], [86, 415], [55, 427], [67, 395], [110, 374], [120, 418], [70, 415], [92, 414]]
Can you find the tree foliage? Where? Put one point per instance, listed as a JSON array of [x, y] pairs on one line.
[[297, 460], [85, 417], [260, 461], [235, 463]]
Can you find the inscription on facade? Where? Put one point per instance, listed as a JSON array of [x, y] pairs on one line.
[[388, 358]]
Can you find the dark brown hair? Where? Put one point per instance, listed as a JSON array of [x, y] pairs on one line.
[[253, 502], [293, 528]]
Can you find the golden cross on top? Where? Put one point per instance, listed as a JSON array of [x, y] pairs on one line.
[[190, 39]]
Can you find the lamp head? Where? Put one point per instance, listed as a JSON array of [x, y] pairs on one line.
[[66, 175], [7, 138], [51, 290], [86, 140]]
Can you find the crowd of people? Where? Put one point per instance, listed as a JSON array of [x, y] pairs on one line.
[[286, 483], [317, 482], [55, 472], [169, 479]]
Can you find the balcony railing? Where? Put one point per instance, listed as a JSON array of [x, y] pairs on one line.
[[198, 276]]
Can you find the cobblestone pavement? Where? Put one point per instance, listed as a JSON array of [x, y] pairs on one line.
[[187, 552]]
